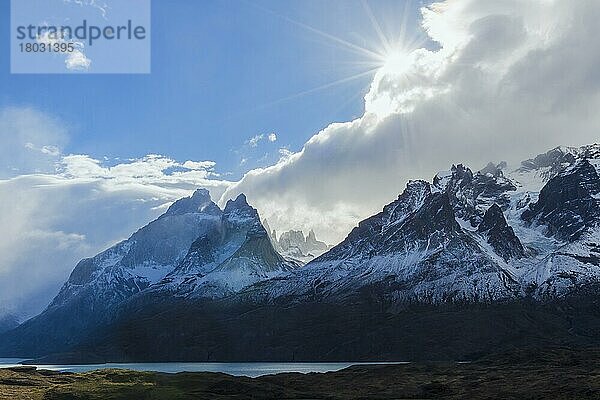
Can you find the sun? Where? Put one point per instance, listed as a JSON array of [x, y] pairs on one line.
[[397, 62]]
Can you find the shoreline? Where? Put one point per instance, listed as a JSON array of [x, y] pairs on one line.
[[247, 369], [553, 373]]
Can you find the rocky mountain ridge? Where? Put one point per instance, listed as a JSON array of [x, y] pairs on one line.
[[528, 236], [485, 236]]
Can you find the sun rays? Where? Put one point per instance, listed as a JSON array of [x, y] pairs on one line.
[[390, 52]]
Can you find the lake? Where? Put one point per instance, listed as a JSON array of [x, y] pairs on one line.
[[237, 369]]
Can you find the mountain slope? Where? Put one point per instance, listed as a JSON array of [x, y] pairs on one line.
[[221, 263], [568, 211], [143, 259], [8, 321], [413, 251], [100, 283]]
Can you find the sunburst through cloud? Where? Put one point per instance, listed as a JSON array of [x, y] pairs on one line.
[[390, 50]]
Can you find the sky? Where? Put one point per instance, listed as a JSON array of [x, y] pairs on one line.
[[196, 104], [319, 112]]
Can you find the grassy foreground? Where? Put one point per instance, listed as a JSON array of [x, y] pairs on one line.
[[556, 374]]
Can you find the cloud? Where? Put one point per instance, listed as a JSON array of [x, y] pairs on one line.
[[75, 60], [508, 80], [257, 151], [255, 140]]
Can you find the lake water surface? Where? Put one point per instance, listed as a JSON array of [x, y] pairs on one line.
[[238, 369]]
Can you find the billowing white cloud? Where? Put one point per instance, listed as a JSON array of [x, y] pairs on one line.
[[272, 137], [508, 80]]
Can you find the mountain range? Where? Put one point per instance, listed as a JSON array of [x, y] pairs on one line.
[[467, 263], [294, 245]]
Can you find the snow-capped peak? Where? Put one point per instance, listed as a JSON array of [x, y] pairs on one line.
[[199, 202]]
